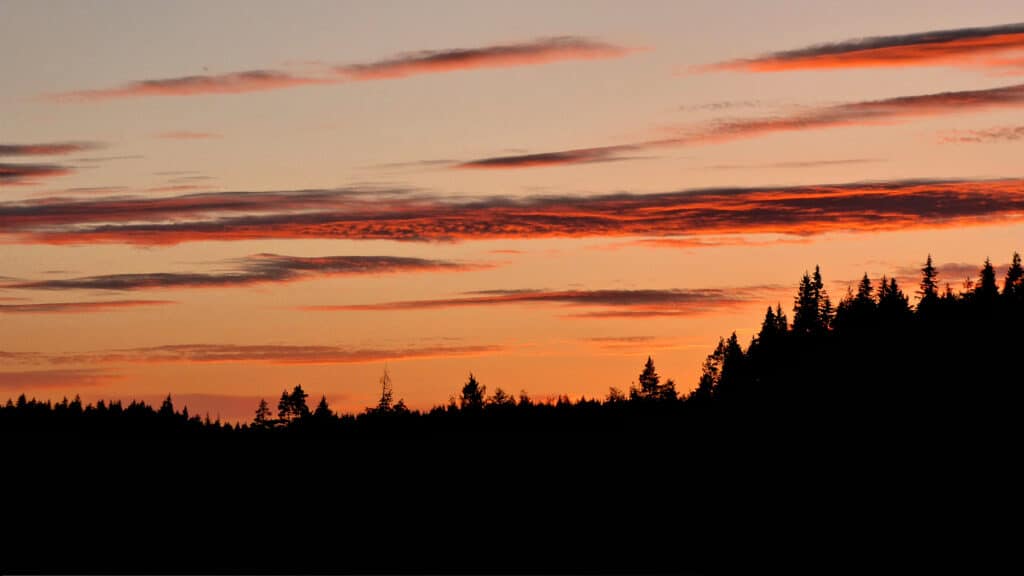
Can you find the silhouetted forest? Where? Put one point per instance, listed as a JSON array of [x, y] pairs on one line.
[[867, 429]]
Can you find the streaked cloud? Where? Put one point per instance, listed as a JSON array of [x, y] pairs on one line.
[[256, 269], [186, 135], [955, 47], [537, 52], [19, 174], [542, 51], [277, 354], [356, 214], [77, 307], [232, 83], [797, 164], [47, 149], [864, 113], [28, 380], [590, 303], [580, 156], [997, 134]]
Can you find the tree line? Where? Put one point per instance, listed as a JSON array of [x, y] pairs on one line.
[[878, 312], [846, 430]]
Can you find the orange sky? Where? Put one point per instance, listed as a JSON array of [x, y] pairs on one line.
[[219, 207]]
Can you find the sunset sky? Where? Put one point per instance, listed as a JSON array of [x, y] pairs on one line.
[[218, 200]]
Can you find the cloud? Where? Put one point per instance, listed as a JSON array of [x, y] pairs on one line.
[[49, 379], [952, 272], [358, 214], [185, 135], [100, 159], [580, 156], [631, 345], [542, 51], [256, 269], [276, 354], [18, 174], [869, 112], [955, 47], [998, 134], [47, 149], [595, 303], [798, 164], [232, 83], [77, 307]]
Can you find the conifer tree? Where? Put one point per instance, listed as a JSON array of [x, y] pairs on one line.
[[986, 289], [929, 287], [1013, 285], [262, 419]]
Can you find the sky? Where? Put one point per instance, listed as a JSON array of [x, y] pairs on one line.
[[221, 200]]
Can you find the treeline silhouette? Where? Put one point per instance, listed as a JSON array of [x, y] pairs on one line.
[[830, 437]]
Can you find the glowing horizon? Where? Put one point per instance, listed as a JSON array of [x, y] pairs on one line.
[[541, 194]]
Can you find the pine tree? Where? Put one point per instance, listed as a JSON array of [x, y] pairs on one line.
[[262, 419], [386, 392], [651, 387], [929, 287], [805, 308], [893, 304], [780, 318], [769, 327], [649, 379], [711, 373], [865, 294], [166, 407], [323, 411], [472, 395], [986, 290], [1013, 285]]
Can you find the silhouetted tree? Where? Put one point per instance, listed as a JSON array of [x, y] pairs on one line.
[[986, 290], [929, 287], [711, 373], [651, 387], [769, 327], [780, 318], [893, 304], [472, 398], [614, 395], [502, 398], [731, 376], [1013, 285], [262, 419], [166, 407], [292, 407], [323, 411], [805, 309], [386, 392]]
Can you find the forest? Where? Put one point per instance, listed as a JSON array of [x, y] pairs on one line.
[[833, 435]]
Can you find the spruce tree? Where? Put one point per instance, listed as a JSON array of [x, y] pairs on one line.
[[929, 287], [1013, 285]]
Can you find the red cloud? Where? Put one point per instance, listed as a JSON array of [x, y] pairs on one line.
[[499, 56], [964, 46], [256, 269], [869, 112], [187, 135], [233, 83], [47, 149], [598, 303], [29, 380], [799, 210], [427, 62], [18, 174], [77, 307], [271, 354]]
